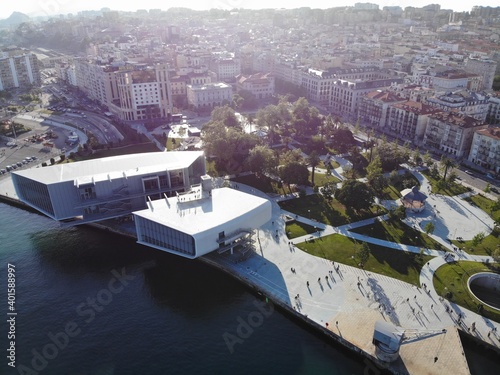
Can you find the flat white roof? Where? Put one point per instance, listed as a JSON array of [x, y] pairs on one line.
[[89, 171], [197, 216]]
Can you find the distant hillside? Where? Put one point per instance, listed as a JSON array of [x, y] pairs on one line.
[[15, 18]]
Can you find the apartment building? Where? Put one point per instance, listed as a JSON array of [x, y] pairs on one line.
[[97, 80], [409, 120], [346, 94], [452, 133], [469, 103], [19, 69], [485, 150], [374, 107], [485, 68], [261, 85], [226, 68], [209, 95], [494, 108]]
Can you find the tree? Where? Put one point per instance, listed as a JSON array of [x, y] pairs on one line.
[[417, 158], [342, 140], [355, 194], [328, 190], [294, 173], [375, 176], [478, 238], [428, 160], [429, 227], [261, 160], [496, 255], [446, 164], [363, 253], [313, 160], [226, 115], [397, 213]]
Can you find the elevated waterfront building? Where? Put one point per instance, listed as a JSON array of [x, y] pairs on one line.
[[94, 190], [202, 221]]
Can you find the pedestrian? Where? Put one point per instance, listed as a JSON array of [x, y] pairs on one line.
[[308, 284], [432, 306], [319, 279]]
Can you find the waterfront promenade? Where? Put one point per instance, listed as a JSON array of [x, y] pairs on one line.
[[345, 302]]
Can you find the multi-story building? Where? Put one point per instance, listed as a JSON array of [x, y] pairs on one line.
[[19, 69], [408, 120], [226, 68], [172, 200], [483, 67], [261, 85], [451, 80], [485, 150], [94, 190], [494, 108], [346, 94], [143, 94], [452, 132], [209, 95], [98, 81], [469, 103], [374, 107]]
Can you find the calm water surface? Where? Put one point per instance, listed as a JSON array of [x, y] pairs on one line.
[[91, 302]]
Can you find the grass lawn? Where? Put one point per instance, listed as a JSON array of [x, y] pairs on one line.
[[399, 232], [319, 209], [390, 193], [450, 189], [125, 150], [452, 279], [393, 263], [333, 163], [297, 229], [171, 145], [320, 179], [262, 183]]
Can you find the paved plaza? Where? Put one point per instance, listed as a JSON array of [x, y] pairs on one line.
[[348, 301]]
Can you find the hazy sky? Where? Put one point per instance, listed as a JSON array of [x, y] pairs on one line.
[[51, 7]]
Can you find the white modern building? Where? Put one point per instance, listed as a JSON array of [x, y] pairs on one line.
[[94, 190], [18, 69], [209, 95], [202, 221]]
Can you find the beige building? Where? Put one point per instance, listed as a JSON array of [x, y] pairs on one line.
[[374, 107], [483, 67], [261, 85], [452, 133]]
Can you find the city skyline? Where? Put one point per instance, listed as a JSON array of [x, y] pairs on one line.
[[54, 7]]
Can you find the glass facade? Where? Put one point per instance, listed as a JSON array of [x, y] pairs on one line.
[[33, 192], [161, 236]]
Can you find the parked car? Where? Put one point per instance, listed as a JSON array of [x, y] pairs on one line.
[[495, 190], [468, 172]]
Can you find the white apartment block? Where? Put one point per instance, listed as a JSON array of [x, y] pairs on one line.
[[209, 95], [97, 81], [19, 70], [467, 102], [485, 150]]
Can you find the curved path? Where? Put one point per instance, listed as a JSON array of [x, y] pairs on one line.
[[453, 217]]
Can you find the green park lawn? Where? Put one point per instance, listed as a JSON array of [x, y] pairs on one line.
[[332, 213], [320, 179], [397, 231], [450, 281], [450, 189], [398, 264], [297, 229]]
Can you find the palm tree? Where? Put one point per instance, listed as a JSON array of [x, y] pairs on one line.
[[314, 161], [446, 164]]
